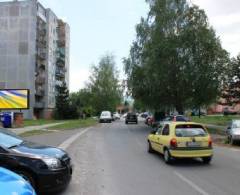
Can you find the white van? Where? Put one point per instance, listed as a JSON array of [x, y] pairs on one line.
[[105, 116]]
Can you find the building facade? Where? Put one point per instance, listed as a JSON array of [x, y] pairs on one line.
[[30, 51]]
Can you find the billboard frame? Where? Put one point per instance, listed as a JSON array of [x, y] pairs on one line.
[[28, 98]]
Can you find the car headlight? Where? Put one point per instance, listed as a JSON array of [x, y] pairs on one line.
[[52, 163]]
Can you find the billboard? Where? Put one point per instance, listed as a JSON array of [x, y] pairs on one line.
[[14, 99]]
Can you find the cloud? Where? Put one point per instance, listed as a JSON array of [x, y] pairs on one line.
[[224, 16], [226, 20]]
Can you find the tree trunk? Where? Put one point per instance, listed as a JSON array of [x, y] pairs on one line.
[[199, 112]]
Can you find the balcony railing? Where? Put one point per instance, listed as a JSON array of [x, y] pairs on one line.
[[60, 73], [39, 92], [42, 55], [40, 79], [59, 83]]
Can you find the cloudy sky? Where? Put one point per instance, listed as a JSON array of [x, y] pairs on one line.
[[100, 26]]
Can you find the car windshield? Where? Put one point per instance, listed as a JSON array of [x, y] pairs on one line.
[[190, 131], [9, 140], [105, 114], [236, 124]]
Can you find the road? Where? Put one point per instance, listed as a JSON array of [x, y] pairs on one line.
[[112, 159]]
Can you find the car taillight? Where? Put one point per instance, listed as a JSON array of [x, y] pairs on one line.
[[210, 143], [173, 143]]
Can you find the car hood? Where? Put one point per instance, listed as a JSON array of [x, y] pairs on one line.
[[12, 183], [37, 150], [236, 131]]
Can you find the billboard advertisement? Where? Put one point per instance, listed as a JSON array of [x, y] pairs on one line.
[[14, 99]]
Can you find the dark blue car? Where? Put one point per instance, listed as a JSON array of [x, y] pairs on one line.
[[11, 183]]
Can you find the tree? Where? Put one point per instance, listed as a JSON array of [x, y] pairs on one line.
[[83, 102], [176, 60], [64, 109], [104, 85], [231, 92]]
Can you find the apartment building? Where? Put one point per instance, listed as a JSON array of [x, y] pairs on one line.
[[34, 53]]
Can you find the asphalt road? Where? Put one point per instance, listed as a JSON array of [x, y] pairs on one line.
[[112, 159]]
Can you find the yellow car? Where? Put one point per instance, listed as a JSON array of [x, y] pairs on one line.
[[181, 140]]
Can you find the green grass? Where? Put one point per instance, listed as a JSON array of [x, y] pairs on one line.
[[74, 124], [214, 120], [39, 122], [34, 132], [216, 131]]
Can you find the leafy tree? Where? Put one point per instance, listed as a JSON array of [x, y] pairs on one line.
[[83, 102], [231, 90], [106, 92], [64, 109], [176, 60]]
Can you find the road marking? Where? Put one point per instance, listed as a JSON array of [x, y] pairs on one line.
[[193, 185], [72, 139]]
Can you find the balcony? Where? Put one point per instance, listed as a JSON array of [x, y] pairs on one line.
[[40, 92], [61, 42], [40, 79], [60, 73], [41, 55], [42, 32], [41, 41], [59, 83]]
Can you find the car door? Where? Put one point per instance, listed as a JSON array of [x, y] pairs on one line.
[[163, 138], [155, 141], [4, 158]]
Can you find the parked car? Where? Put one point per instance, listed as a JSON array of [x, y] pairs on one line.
[[131, 118], [124, 115], [105, 116], [116, 116], [233, 131], [148, 120], [157, 119], [181, 140], [172, 118], [144, 115], [11, 183], [45, 168]]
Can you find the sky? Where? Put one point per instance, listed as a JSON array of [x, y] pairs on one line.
[[97, 27], [108, 26]]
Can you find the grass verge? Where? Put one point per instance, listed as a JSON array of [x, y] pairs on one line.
[[34, 132], [214, 120], [216, 131], [74, 124], [38, 122]]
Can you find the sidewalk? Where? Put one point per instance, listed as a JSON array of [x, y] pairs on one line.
[[32, 128]]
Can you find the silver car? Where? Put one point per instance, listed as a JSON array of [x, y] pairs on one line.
[[233, 131]]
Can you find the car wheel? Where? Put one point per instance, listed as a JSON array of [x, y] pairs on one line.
[[126, 122], [167, 157], [231, 140], [150, 149], [206, 160], [28, 177]]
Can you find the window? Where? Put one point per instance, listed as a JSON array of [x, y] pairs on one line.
[[159, 131], [165, 130], [190, 131]]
